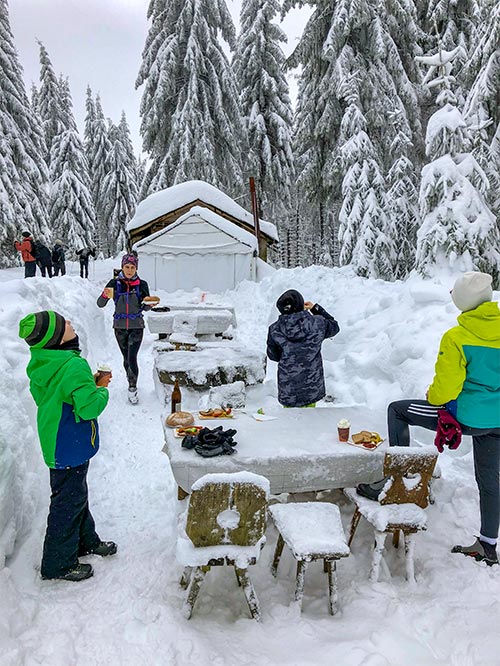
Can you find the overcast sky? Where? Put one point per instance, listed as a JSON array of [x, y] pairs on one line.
[[99, 43]]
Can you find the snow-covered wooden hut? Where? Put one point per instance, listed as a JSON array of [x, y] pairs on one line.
[[193, 235]]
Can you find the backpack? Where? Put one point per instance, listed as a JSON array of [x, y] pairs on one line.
[[34, 249]]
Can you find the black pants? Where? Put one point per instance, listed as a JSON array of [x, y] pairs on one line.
[[70, 526], [486, 447], [59, 266], [84, 267], [45, 268], [30, 269], [129, 342]]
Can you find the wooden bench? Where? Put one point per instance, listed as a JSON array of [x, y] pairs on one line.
[[312, 531]]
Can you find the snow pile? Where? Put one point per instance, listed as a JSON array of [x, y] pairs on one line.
[[129, 613]]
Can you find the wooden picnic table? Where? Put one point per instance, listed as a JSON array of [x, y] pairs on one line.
[[299, 451]]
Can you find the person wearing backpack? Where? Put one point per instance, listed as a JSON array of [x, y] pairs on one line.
[[28, 254], [58, 258], [43, 258], [128, 292], [84, 254]]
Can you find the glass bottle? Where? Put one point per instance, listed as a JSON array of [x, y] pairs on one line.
[[176, 397]]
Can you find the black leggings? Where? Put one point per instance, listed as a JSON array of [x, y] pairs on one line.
[[486, 447], [129, 342]]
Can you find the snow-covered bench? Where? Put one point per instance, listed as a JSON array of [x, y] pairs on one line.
[[207, 321], [312, 531]]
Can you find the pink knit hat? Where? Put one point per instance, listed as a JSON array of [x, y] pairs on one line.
[[129, 259]]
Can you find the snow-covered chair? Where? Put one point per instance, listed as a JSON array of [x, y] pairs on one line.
[[312, 531], [224, 523], [401, 503], [183, 334]]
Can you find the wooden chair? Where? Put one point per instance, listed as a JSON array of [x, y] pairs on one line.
[[225, 524], [401, 504], [312, 531]]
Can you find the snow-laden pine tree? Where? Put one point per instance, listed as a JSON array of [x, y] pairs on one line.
[[119, 188], [99, 153], [317, 119], [458, 228], [49, 102], [72, 214], [191, 123], [354, 51], [23, 172], [402, 205], [482, 106], [88, 133], [363, 230], [265, 104]]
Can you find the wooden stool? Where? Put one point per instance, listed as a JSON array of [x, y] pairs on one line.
[[312, 531]]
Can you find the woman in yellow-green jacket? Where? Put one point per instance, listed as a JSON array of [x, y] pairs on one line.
[[467, 384]]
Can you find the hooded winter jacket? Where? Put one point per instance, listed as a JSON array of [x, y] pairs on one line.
[[467, 373], [69, 402], [295, 342]]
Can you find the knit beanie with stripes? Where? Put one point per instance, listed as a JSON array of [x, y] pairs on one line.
[[43, 329]]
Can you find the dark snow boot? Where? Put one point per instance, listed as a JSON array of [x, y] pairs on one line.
[[371, 490], [103, 548], [75, 574], [133, 397], [480, 551]]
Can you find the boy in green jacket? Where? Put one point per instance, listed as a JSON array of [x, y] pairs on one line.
[[68, 402]]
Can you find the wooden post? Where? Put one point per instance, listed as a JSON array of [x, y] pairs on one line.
[[256, 222]]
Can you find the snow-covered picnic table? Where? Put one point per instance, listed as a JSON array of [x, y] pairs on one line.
[[298, 451]]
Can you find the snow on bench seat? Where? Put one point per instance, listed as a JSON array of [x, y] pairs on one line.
[[311, 528], [381, 516]]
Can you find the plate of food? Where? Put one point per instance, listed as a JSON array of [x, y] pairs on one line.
[[187, 430], [366, 440], [151, 300], [219, 413]]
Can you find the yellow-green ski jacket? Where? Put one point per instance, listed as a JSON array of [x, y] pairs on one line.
[[467, 378]]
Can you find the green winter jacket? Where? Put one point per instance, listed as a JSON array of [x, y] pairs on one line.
[[467, 378], [69, 402]]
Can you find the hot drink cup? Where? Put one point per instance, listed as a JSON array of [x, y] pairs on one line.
[[343, 434]]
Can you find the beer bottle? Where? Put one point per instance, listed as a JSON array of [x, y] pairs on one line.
[[176, 397]]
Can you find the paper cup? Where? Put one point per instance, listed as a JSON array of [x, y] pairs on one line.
[[343, 434]]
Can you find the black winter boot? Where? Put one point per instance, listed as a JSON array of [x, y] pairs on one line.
[[480, 551], [75, 574], [103, 548]]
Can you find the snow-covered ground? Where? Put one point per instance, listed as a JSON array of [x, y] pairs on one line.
[[130, 611]]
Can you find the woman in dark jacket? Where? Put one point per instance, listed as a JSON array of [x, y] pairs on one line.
[[128, 291], [294, 341]]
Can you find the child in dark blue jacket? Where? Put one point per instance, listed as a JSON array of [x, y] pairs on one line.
[[294, 341]]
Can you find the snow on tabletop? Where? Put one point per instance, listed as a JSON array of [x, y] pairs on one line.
[[237, 477], [382, 515], [174, 197], [311, 528]]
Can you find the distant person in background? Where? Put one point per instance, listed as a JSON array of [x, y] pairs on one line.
[[58, 258], [25, 247], [69, 400], [43, 259], [84, 254], [294, 341], [128, 292]]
